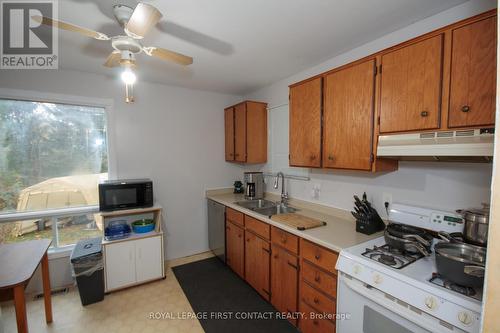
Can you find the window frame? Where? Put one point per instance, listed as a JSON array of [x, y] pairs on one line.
[[42, 97]]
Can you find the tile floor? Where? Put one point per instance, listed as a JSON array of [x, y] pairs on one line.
[[124, 311]]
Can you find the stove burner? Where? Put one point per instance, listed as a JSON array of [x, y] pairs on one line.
[[464, 290], [387, 259], [391, 256]]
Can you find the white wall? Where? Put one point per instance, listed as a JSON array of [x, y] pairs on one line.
[[173, 135], [443, 185]]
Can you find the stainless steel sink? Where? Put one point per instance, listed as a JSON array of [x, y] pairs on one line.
[[278, 209], [266, 207], [257, 204]]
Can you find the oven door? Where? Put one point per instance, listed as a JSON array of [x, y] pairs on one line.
[[369, 310]]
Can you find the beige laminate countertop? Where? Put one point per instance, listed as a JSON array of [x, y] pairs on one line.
[[339, 233]]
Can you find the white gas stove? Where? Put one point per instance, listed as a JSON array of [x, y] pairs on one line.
[[383, 292]]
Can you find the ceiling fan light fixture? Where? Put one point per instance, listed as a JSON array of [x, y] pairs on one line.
[[128, 76]]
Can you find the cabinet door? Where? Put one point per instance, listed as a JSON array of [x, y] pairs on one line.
[[257, 256], [120, 265], [284, 278], [348, 117], [411, 87], [240, 132], [305, 124], [256, 132], [148, 259], [235, 248], [229, 133], [473, 74]]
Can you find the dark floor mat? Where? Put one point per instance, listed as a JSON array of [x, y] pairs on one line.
[[212, 288]]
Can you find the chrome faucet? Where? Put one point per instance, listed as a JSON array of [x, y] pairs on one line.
[[284, 195]]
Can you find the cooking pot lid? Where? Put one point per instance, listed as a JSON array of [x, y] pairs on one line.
[[462, 252]]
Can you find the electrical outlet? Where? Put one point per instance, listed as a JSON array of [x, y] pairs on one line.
[[386, 197], [316, 190]]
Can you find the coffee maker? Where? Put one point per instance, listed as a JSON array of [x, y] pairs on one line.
[[254, 185]]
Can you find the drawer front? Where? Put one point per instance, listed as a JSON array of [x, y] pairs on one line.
[[314, 324], [319, 279], [285, 239], [316, 299], [319, 256], [260, 228], [234, 216]]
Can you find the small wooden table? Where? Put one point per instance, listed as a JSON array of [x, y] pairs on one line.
[[18, 262]]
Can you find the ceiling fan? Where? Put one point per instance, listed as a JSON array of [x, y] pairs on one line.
[[135, 23]]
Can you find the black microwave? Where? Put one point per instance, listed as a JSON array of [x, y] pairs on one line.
[[125, 194]]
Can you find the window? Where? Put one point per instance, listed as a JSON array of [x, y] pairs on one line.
[[51, 156]]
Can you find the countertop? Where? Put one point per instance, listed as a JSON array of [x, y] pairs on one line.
[[339, 233]]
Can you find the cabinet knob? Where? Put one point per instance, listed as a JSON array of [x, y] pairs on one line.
[[317, 256], [317, 278], [237, 155], [230, 154], [465, 108], [330, 157], [315, 300], [283, 239], [424, 113], [248, 239], [313, 157], [239, 235]]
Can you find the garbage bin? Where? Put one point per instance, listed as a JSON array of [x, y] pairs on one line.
[[88, 269]]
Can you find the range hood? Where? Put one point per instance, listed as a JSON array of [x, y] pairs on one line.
[[475, 145]]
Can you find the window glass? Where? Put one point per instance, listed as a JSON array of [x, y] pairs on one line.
[[51, 155]]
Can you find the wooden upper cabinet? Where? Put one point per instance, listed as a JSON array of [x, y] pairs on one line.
[[411, 86], [240, 133], [246, 132], [235, 248], [473, 74], [348, 117], [229, 130], [257, 261], [305, 124]]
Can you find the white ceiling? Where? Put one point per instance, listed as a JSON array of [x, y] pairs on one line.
[[239, 45]]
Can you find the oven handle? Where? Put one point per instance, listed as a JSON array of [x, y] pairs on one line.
[[376, 297]]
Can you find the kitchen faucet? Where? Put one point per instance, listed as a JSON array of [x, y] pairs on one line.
[[284, 195]]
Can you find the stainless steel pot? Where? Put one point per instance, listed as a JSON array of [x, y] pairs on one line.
[[476, 225], [461, 263]]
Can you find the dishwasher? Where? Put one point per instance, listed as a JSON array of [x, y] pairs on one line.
[[216, 229]]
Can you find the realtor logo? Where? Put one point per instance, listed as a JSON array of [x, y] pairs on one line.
[[26, 43]]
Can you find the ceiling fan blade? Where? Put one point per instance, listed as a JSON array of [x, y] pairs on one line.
[[70, 27], [144, 17], [168, 55], [113, 59]]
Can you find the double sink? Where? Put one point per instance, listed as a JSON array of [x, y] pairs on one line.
[[266, 207]]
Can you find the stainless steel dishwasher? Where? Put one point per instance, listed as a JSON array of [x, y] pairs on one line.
[[216, 229]]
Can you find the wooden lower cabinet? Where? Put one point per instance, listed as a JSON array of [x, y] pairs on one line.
[[257, 263], [235, 248], [284, 280], [315, 321]]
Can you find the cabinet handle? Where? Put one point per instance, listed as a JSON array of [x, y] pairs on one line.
[[424, 113], [292, 265], [465, 108], [264, 249], [248, 239], [317, 278], [237, 155], [317, 256], [239, 235], [313, 157], [330, 157], [315, 300], [275, 256]]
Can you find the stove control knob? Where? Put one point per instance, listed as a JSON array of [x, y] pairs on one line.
[[431, 302], [377, 279], [465, 317], [356, 269]]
